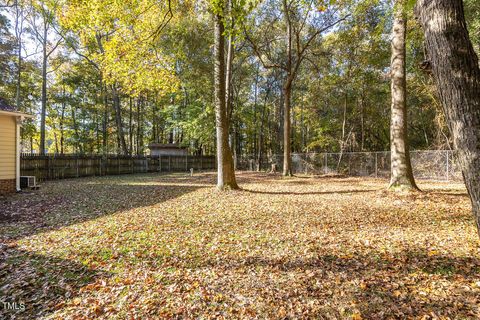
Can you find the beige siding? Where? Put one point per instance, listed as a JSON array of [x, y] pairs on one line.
[[7, 147]]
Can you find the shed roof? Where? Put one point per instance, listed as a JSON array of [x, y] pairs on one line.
[[165, 146]]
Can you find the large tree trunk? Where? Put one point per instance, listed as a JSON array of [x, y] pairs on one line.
[[401, 168], [457, 74], [226, 173]]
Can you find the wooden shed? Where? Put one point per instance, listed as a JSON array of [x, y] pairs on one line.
[[167, 149], [10, 148]]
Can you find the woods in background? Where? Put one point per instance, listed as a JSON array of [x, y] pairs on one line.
[[111, 78]]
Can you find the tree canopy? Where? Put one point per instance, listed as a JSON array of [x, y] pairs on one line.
[[122, 74]]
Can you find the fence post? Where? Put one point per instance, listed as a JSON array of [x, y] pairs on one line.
[[49, 166], [53, 165], [76, 165], [103, 163], [448, 167], [186, 162], [169, 163], [159, 163], [376, 164]]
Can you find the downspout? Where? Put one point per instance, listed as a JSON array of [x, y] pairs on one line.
[[18, 150]]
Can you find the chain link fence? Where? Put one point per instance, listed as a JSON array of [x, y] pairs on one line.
[[427, 164]]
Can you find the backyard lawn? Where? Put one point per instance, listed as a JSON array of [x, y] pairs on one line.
[[170, 246]]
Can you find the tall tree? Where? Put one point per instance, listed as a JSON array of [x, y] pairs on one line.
[[19, 20], [456, 72], [298, 37], [401, 167], [42, 20], [291, 71], [120, 39], [225, 168]]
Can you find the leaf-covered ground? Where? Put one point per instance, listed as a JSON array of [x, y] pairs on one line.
[[170, 246]]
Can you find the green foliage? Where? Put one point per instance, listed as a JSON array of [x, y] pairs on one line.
[[156, 59], [120, 36], [7, 62]]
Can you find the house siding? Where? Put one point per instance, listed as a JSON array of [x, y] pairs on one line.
[[7, 149]]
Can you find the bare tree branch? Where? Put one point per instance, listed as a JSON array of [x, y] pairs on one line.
[[166, 19], [259, 54], [313, 36], [54, 47]]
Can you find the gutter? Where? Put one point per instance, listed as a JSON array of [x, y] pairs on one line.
[[18, 151], [19, 117]]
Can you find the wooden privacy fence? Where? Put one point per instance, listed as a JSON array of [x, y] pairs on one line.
[[54, 166]]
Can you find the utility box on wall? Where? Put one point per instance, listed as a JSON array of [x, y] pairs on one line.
[[167, 149]]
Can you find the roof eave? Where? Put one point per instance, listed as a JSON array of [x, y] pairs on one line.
[[16, 114]]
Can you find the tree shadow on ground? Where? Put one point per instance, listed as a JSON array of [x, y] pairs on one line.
[[36, 285], [68, 202]]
